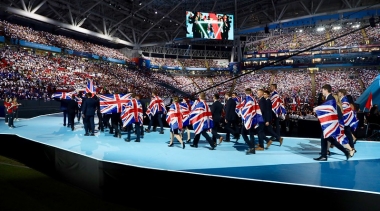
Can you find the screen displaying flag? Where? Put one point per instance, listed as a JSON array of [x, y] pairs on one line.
[[201, 117], [251, 113], [63, 95], [349, 116], [113, 103], [177, 115], [132, 113], [156, 105], [328, 118], [277, 106]]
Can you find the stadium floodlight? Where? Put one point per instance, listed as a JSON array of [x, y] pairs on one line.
[[337, 27], [321, 29], [356, 26]]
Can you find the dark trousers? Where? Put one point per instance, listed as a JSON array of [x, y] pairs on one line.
[[6, 116], [138, 130], [231, 128], [106, 120], [348, 133], [245, 133], [79, 114], [71, 117], [90, 124], [64, 117], [100, 117], [116, 123], [15, 114], [277, 125], [333, 142], [214, 132], [10, 119], [158, 117], [204, 134], [271, 132], [261, 134]]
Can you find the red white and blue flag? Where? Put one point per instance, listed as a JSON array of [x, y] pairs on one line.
[[113, 103], [251, 113], [90, 87], [239, 107], [201, 117], [330, 123], [156, 105], [177, 115], [79, 101], [349, 116], [63, 95], [277, 105], [132, 113]]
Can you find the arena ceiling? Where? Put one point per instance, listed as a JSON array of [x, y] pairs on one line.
[[155, 22]]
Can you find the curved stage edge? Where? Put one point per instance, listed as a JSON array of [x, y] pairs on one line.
[[146, 188], [120, 183]]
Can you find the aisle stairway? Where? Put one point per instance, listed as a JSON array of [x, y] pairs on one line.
[[365, 37], [328, 37], [233, 86], [271, 78], [313, 86], [195, 83]]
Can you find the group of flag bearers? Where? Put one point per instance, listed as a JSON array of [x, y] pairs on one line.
[[336, 116]]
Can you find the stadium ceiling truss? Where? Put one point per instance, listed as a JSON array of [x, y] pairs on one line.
[[144, 23], [185, 52]]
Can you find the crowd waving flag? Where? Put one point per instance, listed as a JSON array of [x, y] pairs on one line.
[[178, 115], [251, 113], [201, 117], [90, 87], [113, 103], [331, 125], [132, 113], [277, 106], [349, 116]]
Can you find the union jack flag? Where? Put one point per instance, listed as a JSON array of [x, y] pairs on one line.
[[132, 113], [155, 105], [238, 102], [90, 87], [79, 101], [251, 113], [331, 125], [349, 116], [201, 117], [113, 103], [239, 107], [277, 106], [63, 95], [177, 115]]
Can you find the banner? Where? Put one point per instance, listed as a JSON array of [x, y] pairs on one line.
[[2, 39], [144, 63], [39, 46]]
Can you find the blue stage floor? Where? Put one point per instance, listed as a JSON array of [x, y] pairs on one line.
[[292, 163]]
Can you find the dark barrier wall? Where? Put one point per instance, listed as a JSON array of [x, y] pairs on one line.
[[33, 108], [309, 128], [160, 188]]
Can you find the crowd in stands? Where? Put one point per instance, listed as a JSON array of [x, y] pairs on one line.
[[340, 78], [30, 75], [308, 37], [15, 31]]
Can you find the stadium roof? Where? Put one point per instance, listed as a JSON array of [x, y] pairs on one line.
[[152, 22]]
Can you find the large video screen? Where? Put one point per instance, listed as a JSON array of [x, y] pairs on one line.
[[209, 25]]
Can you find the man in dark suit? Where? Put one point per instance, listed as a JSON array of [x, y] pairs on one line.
[[266, 116], [99, 114], [276, 119], [216, 111], [268, 127], [138, 98], [230, 118], [326, 91], [88, 113], [72, 109]]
